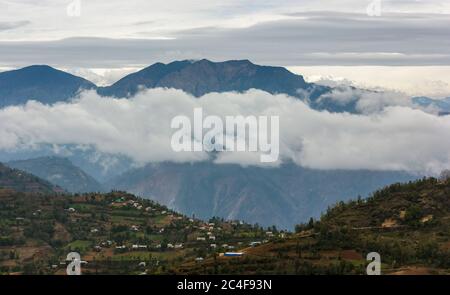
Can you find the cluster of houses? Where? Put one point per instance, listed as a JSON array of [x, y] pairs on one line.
[[208, 234]]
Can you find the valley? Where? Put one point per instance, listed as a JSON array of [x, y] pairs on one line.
[[118, 233]]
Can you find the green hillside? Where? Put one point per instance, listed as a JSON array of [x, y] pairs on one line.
[[407, 224], [21, 181], [117, 233]]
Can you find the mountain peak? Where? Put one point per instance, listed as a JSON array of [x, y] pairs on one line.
[[204, 76], [39, 82]]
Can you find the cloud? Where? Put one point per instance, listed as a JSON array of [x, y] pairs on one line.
[[396, 138], [4, 26], [313, 38], [366, 101]]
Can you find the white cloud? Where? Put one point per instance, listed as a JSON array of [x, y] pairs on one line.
[[397, 138], [433, 81], [366, 101]]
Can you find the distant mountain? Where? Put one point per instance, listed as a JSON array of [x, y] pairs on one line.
[[41, 83], [204, 76], [48, 85], [281, 196], [21, 181], [442, 105], [59, 171], [101, 166]]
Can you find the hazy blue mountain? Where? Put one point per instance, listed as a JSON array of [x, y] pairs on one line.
[[282, 196], [48, 85], [22, 181], [41, 83], [59, 171], [204, 76], [100, 166], [443, 105]]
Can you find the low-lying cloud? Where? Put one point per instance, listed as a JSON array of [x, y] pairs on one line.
[[395, 138]]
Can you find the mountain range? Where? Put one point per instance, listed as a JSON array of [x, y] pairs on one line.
[[197, 77], [282, 196]]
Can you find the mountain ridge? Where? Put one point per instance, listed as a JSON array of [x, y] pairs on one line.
[[21, 181], [59, 171], [196, 77]]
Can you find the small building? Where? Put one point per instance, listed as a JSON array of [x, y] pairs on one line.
[[199, 259], [233, 254], [201, 239], [138, 247]]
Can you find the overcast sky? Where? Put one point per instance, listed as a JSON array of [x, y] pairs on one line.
[[112, 37]]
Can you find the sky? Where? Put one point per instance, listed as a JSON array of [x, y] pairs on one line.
[[403, 45]]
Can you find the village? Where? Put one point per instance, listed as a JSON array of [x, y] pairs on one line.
[[120, 232]]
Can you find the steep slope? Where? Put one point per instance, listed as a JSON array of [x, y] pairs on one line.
[[41, 83], [281, 196], [404, 204], [59, 171], [148, 77], [21, 181], [407, 224]]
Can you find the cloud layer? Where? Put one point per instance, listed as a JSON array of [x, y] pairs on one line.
[[313, 38], [395, 138]]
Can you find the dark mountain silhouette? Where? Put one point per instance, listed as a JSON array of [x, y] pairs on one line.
[[204, 76], [40, 82]]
